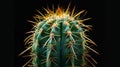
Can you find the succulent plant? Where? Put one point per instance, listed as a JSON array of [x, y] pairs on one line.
[[59, 39]]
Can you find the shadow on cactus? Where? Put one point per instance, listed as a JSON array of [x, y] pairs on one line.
[[59, 39]]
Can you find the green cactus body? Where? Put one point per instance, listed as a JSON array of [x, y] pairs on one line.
[[58, 40]]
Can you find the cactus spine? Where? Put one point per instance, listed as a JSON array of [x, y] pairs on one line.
[[58, 39]]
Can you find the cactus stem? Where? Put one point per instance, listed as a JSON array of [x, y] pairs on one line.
[[59, 39]]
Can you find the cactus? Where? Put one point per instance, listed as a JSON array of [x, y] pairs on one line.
[[59, 39]]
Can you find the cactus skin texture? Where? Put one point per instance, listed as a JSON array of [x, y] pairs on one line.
[[58, 39]]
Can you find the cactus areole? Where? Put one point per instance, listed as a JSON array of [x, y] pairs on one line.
[[58, 39]]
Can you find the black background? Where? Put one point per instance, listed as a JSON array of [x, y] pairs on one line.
[[104, 33]]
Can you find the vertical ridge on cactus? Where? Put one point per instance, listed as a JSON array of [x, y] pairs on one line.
[[59, 39]]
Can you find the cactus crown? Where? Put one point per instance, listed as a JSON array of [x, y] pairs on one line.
[[58, 39]]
